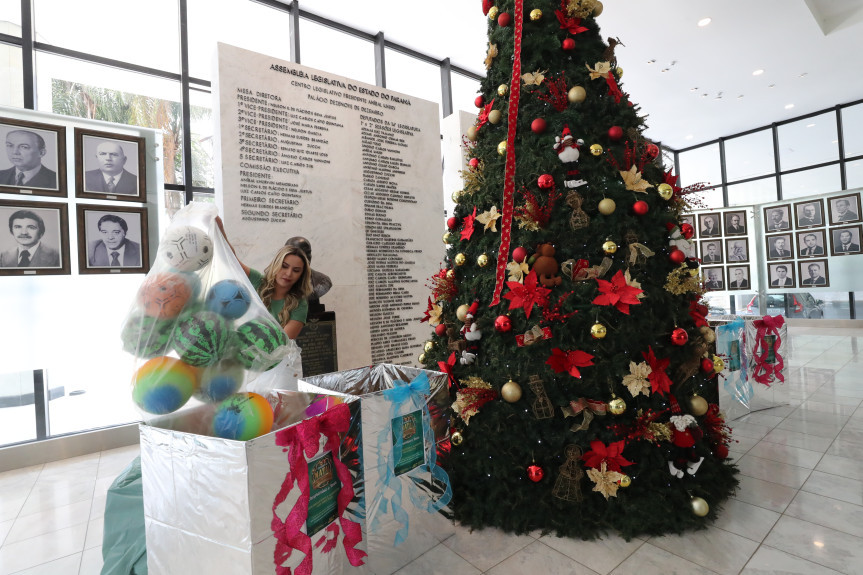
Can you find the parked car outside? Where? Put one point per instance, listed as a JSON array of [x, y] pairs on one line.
[[799, 305]]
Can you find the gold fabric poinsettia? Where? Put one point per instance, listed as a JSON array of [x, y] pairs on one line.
[[601, 71], [435, 314], [517, 271], [489, 218], [606, 481], [633, 181], [637, 381], [471, 397], [490, 55], [533, 78], [633, 283]]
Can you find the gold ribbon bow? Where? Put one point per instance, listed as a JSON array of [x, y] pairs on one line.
[[635, 250], [587, 407], [570, 269]]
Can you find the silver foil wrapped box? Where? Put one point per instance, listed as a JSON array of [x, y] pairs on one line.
[[404, 457]]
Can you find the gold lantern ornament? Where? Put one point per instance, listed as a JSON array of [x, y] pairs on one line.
[[460, 258], [596, 149], [492, 13], [698, 405], [471, 133], [616, 406], [456, 438], [699, 506], [598, 331], [510, 392], [536, 15], [428, 346], [576, 95], [495, 117], [501, 148], [625, 481], [609, 247], [502, 90], [482, 260], [461, 311], [607, 206], [665, 191]]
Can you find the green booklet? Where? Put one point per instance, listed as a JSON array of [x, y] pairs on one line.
[[324, 487], [413, 447]]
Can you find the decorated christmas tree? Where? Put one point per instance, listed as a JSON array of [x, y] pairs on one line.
[[566, 312]]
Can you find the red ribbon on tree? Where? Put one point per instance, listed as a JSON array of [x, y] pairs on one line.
[[509, 178], [764, 372]]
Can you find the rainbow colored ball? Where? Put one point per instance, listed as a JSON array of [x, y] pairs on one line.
[[243, 416], [219, 381], [163, 385], [229, 298]]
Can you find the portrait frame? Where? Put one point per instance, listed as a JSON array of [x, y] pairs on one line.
[[690, 219], [837, 219], [856, 237], [770, 240], [729, 250], [786, 217], [717, 219], [803, 266], [727, 222], [54, 137], [89, 252], [55, 218], [821, 242], [798, 214], [88, 176], [702, 248], [705, 275], [773, 276], [747, 276]]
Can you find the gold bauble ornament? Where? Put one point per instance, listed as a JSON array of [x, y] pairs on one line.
[[495, 117], [456, 195], [607, 206], [456, 438], [461, 311], [450, 274], [598, 331], [619, 72], [666, 192], [597, 9], [421, 358], [460, 259], [718, 364], [511, 391], [502, 90], [596, 149], [428, 346], [482, 260], [536, 14], [698, 405], [447, 237], [492, 13], [707, 333], [625, 481], [616, 406], [576, 94], [501, 148], [609, 247], [699, 506], [471, 133]]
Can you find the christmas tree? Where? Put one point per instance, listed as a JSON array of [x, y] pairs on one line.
[[567, 312]]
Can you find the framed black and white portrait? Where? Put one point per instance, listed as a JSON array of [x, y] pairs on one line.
[[813, 273], [708, 225], [35, 159], [713, 278], [736, 250], [738, 277], [779, 247], [711, 252], [777, 218], [809, 214], [735, 223], [112, 239], [845, 240], [109, 166], [691, 221], [35, 238], [844, 209], [781, 275], [811, 244]]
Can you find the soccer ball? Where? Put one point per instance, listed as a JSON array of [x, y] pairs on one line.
[[186, 248], [228, 298]]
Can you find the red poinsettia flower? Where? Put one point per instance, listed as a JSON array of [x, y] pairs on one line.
[[698, 312], [659, 380], [427, 313], [467, 225], [569, 361], [613, 89], [571, 25], [610, 454], [446, 367], [671, 180], [525, 296], [483, 115], [617, 293]]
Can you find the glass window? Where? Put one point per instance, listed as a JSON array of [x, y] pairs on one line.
[[852, 130], [11, 76], [201, 120], [700, 165], [145, 34], [77, 88], [820, 305], [808, 141], [707, 199], [811, 182], [717, 303], [754, 192], [746, 304], [464, 92], [240, 23], [749, 156], [10, 21], [414, 77], [335, 52], [17, 413], [854, 177]]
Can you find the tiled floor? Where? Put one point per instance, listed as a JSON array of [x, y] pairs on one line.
[[799, 508]]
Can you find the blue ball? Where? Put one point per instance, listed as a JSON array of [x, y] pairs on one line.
[[229, 298]]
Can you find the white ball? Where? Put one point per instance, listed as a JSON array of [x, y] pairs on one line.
[[186, 248]]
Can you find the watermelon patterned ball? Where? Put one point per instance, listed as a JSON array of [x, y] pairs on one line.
[[145, 337], [219, 381], [243, 416], [201, 338], [257, 341], [163, 295], [163, 385], [186, 248], [229, 298]]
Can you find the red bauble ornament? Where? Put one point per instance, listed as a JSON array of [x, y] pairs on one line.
[[545, 181], [502, 324], [721, 451], [538, 126], [652, 150], [452, 223], [440, 329], [518, 254], [706, 365], [504, 19], [679, 336], [535, 473], [687, 230], [677, 256], [473, 163], [615, 133], [568, 44], [640, 207], [478, 102]]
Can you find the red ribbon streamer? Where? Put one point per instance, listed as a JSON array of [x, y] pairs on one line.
[[764, 372], [302, 441], [509, 178]]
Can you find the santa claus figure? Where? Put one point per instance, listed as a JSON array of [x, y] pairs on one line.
[[568, 152], [471, 334]]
